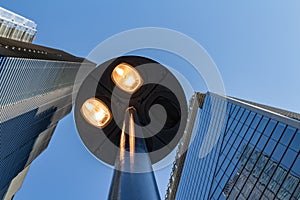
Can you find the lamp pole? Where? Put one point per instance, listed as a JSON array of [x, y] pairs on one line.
[[133, 176]]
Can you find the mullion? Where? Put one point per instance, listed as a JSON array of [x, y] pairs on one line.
[[229, 129], [259, 157], [278, 142], [289, 170], [222, 151], [233, 116], [215, 171], [210, 162], [236, 164], [250, 153], [238, 160], [298, 185]]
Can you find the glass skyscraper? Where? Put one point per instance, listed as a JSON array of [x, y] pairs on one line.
[[36, 87], [251, 151]]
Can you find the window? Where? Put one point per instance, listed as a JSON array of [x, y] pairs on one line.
[[279, 151], [245, 115], [249, 119], [296, 167], [288, 187], [287, 135], [262, 142], [241, 111], [296, 141], [278, 131], [288, 158], [277, 180], [270, 147], [255, 138], [255, 121], [270, 127], [249, 134], [262, 124]]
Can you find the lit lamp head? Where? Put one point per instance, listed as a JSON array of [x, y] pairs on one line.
[[96, 112], [127, 78], [127, 81]]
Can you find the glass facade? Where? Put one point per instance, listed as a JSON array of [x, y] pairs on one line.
[[22, 78], [255, 157], [36, 88]]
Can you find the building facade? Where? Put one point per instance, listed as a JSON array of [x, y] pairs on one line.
[[16, 27], [249, 152], [36, 87]]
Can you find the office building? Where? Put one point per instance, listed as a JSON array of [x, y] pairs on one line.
[[251, 151], [16, 27], [36, 87]]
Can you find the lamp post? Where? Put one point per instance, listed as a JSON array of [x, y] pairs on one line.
[[118, 120], [125, 183]]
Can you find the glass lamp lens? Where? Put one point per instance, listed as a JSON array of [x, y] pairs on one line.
[[127, 78], [96, 112]]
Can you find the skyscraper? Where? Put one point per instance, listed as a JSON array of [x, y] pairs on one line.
[[253, 155], [16, 27], [36, 87]]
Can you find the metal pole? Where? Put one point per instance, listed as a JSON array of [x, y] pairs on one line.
[[133, 177]]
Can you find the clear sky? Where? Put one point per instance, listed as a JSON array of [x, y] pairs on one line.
[[255, 44]]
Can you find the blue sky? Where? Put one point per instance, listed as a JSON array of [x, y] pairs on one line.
[[255, 44]]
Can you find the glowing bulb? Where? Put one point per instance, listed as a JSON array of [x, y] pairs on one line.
[[89, 106], [127, 78], [120, 71], [100, 115], [129, 81], [96, 112]]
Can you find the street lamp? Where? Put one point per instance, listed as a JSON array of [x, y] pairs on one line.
[[96, 112], [130, 113], [127, 78]]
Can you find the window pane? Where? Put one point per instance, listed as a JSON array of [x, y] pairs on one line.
[[262, 124], [262, 142], [288, 158], [277, 180], [295, 145], [288, 187], [255, 121], [249, 134], [245, 115], [250, 118], [278, 131], [296, 167], [296, 194], [255, 138], [235, 111], [243, 131], [278, 152], [270, 127], [270, 147], [241, 111], [287, 135]]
